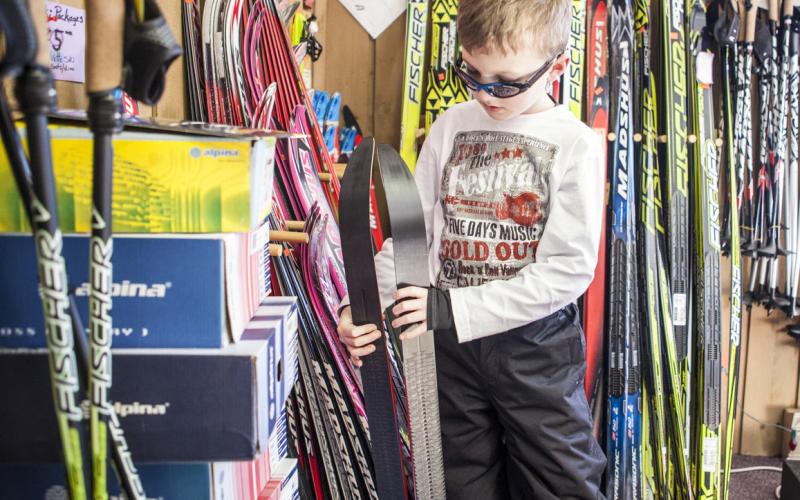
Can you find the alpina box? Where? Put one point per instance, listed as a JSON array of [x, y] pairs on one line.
[[242, 480], [169, 290], [162, 481], [163, 183], [275, 321], [173, 404]]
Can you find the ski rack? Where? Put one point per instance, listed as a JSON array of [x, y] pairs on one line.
[[401, 212]]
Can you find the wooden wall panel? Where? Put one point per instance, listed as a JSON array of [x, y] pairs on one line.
[[389, 83], [770, 379], [368, 73], [347, 62]]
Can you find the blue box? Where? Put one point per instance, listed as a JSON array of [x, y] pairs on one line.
[[161, 481], [173, 404], [169, 291], [165, 481], [241, 480], [275, 321]]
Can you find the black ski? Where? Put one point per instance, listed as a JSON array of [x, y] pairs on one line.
[[365, 304], [407, 229]]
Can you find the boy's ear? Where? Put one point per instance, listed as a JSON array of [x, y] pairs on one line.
[[559, 67]]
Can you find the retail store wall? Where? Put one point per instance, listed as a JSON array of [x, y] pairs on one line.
[[369, 75], [367, 72], [172, 105]]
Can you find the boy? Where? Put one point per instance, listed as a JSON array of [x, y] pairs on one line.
[[512, 192]]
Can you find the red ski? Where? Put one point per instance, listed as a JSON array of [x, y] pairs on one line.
[[597, 101]]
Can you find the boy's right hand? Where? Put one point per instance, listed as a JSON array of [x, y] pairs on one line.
[[358, 339]]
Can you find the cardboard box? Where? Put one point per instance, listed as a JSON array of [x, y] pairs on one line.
[[174, 404], [276, 318], [242, 480], [161, 481], [171, 291], [163, 183]]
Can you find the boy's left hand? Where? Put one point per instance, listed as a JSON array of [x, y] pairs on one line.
[[411, 308]]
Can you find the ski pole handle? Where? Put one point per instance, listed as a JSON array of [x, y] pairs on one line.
[[39, 19], [774, 10], [105, 20], [750, 17], [788, 8], [738, 9]]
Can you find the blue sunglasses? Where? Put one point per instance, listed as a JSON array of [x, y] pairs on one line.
[[501, 90]]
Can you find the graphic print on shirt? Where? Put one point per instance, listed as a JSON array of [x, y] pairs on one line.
[[495, 197]]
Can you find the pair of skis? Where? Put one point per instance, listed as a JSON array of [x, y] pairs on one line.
[[596, 101], [442, 88], [624, 412], [402, 215]]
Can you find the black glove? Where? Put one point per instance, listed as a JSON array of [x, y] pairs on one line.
[[440, 310]]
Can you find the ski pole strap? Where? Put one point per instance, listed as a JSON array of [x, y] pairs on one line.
[[20, 38], [150, 48], [728, 25], [762, 43]]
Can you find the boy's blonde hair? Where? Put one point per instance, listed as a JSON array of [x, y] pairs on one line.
[[510, 25]]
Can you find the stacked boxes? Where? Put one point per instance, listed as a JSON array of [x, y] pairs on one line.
[[169, 290], [199, 395], [224, 407]]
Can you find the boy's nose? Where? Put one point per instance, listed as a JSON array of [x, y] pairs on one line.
[[483, 97]]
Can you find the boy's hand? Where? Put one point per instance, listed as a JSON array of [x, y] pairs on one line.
[[411, 308], [358, 339]]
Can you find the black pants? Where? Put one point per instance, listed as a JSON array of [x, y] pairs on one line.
[[515, 421]]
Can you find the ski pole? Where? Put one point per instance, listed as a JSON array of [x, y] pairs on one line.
[[104, 53], [20, 168], [36, 96]]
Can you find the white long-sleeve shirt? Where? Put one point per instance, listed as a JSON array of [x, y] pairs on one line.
[[513, 212]]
